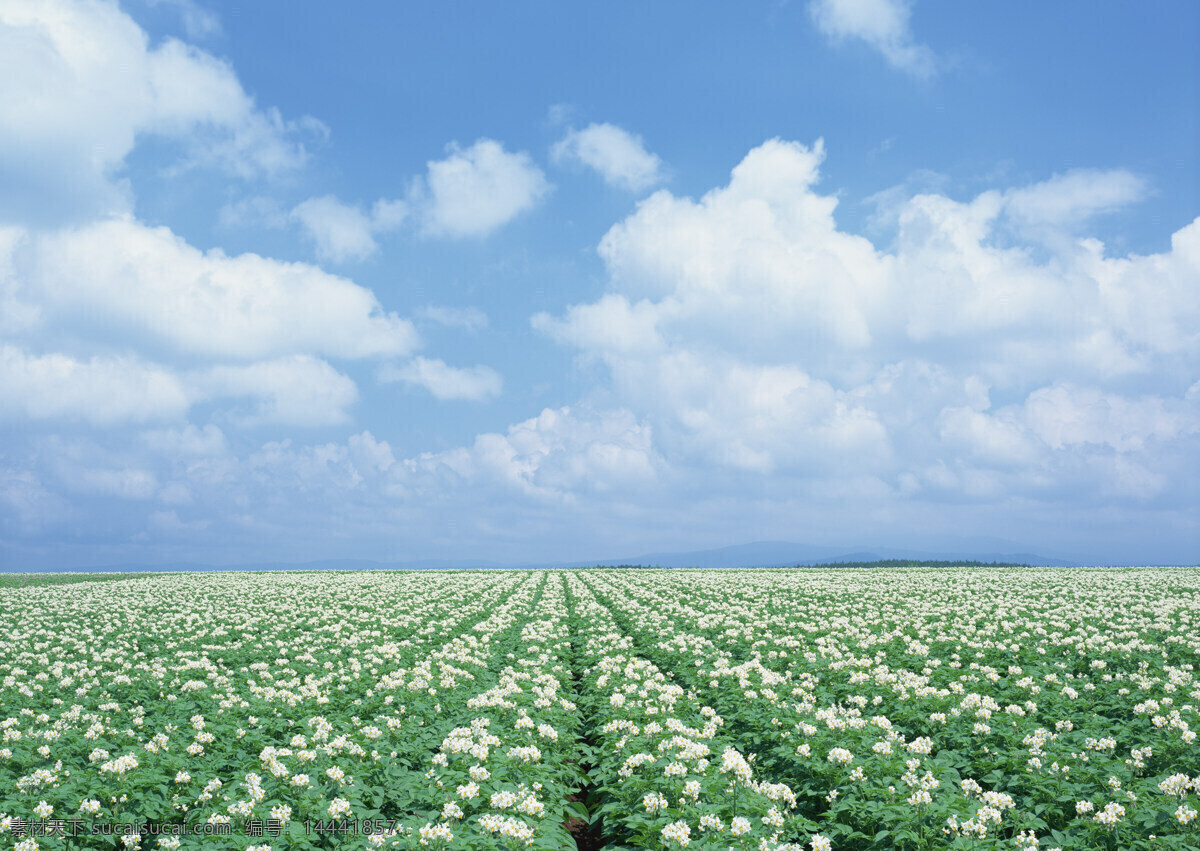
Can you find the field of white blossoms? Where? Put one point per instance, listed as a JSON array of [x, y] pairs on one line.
[[782, 709]]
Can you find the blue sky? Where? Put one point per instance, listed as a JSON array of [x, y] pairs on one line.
[[539, 281]]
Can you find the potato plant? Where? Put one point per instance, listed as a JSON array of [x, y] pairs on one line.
[[768, 709]]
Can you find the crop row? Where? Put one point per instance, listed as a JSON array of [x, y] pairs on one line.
[[751, 710]]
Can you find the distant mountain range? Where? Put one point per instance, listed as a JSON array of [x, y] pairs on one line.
[[759, 554]]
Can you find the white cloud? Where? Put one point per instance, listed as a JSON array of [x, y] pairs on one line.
[[254, 211], [80, 83], [553, 456], [1085, 440], [620, 157], [100, 391], [128, 483], [18, 314], [296, 390], [472, 192], [340, 231], [1064, 415], [323, 467], [712, 409], [752, 334], [124, 278], [470, 319], [222, 329], [198, 22], [369, 453], [882, 24], [187, 441], [1071, 198], [475, 190], [993, 438], [762, 252], [388, 214], [611, 324], [475, 383], [343, 232]]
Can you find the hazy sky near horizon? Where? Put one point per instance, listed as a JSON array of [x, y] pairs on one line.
[[538, 281]]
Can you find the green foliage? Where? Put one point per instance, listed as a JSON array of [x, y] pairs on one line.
[[870, 709]]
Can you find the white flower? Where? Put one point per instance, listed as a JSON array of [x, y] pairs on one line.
[[468, 792], [654, 802], [678, 832], [438, 831], [841, 756], [503, 799]]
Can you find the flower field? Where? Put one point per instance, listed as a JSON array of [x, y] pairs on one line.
[[781, 709]]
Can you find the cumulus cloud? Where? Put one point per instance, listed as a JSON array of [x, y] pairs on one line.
[[553, 456], [343, 232], [135, 484], [475, 383], [470, 319], [128, 278], [296, 390], [1081, 437], [470, 193], [253, 211], [111, 391], [619, 156], [611, 324], [475, 190], [198, 22], [186, 442], [340, 231], [80, 82], [370, 454], [1072, 198], [752, 334], [760, 252], [882, 24], [760, 369], [1064, 415], [322, 468], [101, 391], [18, 313]]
